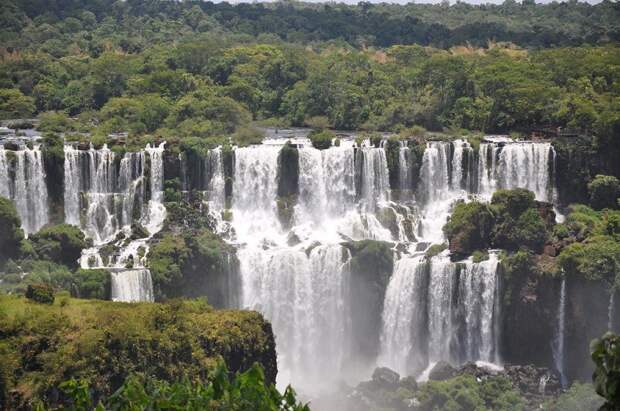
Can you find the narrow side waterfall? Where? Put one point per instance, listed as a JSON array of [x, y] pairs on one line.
[[215, 183], [22, 180], [106, 196], [374, 177], [610, 311], [403, 319], [517, 164], [132, 285], [437, 310], [558, 347], [441, 184]]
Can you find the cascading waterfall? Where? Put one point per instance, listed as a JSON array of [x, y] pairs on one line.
[[105, 195], [610, 311], [517, 164], [131, 285], [441, 180], [558, 347], [374, 177], [22, 180], [437, 310], [297, 273]]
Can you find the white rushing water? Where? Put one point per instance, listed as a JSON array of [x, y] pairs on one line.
[[560, 339], [294, 267], [523, 165], [437, 310], [22, 180], [105, 195], [132, 285]]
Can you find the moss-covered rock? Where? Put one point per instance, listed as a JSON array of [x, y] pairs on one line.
[[469, 228], [104, 342], [11, 234], [54, 164], [371, 266], [62, 243], [288, 171], [321, 139]]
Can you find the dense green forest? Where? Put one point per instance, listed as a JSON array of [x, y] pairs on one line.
[[203, 70]]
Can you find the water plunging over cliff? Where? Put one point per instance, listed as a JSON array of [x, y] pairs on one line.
[[558, 347], [106, 195], [131, 285], [22, 180], [437, 310], [518, 164]]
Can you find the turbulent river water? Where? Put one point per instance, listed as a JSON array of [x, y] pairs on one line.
[[298, 274]]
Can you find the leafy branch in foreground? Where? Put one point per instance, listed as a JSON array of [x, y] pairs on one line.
[[241, 392]]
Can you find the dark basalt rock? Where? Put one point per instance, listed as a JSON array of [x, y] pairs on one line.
[[441, 371], [385, 378]]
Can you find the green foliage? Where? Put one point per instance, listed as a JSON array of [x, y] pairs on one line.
[[40, 293], [465, 393], [518, 222], [103, 342], [604, 192], [246, 136], [11, 233], [579, 397], [606, 356], [594, 251], [14, 104], [166, 260], [435, 249], [470, 227], [321, 139], [55, 121], [244, 391], [91, 284], [62, 243], [371, 258]]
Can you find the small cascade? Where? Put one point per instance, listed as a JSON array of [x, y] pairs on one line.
[[441, 179], [437, 310], [373, 175], [22, 180], [517, 164], [216, 194], [558, 347], [105, 195], [405, 179], [131, 285]]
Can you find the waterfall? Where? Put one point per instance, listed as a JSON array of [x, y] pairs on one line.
[[610, 311], [441, 180], [254, 194], [304, 297], [516, 164], [404, 317], [558, 347], [373, 176], [131, 285], [105, 195], [437, 310], [22, 180], [216, 194]]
